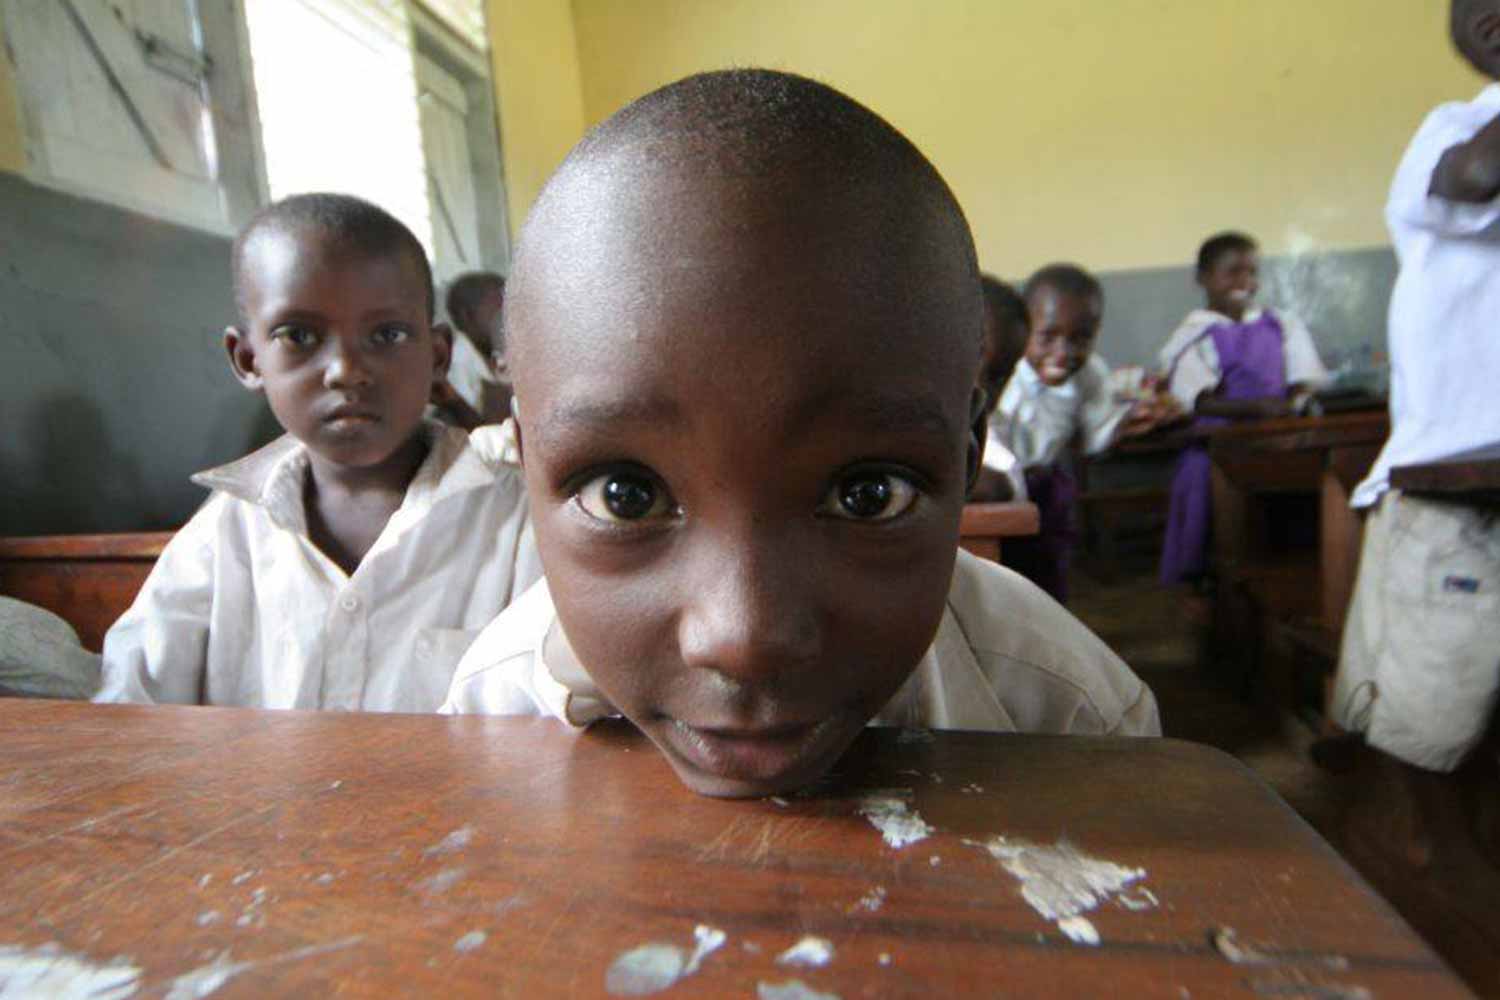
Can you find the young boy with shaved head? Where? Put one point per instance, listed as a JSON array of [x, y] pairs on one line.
[[348, 564], [745, 322]]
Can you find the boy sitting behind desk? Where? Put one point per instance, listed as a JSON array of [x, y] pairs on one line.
[[477, 390], [745, 321], [348, 564], [1006, 328], [1061, 390], [1229, 360]]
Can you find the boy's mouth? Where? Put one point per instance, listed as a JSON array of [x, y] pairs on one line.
[[349, 417], [758, 755]]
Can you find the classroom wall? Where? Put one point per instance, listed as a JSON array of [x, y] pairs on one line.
[[534, 65], [1118, 133], [113, 386]]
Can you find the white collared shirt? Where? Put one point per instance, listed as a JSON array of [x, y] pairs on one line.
[[1006, 658], [1192, 360], [1444, 326], [1036, 421], [243, 609], [998, 458]]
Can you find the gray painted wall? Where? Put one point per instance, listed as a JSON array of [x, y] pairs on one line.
[[1341, 296], [113, 386]]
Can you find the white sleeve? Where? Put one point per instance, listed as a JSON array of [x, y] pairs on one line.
[[158, 650], [1410, 202], [1303, 366], [1099, 415], [998, 458], [466, 372], [1194, 371]]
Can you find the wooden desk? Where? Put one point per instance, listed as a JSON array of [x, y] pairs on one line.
[[1323, 455], [983, 526], [87, 580], [1469, 477], [381, 855]]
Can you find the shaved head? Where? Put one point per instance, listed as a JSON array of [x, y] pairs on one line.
[[754, 136]]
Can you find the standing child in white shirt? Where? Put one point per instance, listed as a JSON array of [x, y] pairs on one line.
[[1061, 390], [1227, 361], [748, 449], [1419, 670], [349, 563]]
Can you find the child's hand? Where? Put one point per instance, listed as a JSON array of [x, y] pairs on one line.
[[443, 393], [1149, 414]]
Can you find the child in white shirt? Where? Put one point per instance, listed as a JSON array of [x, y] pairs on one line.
[[748, 447], [1419, 669], [477, 391], [350, 563], [1006, 327], [1061, 390]]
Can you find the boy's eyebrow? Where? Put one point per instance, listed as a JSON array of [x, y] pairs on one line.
[[877, 413], [610, 412]]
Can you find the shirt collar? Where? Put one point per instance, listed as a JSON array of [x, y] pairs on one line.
[[1032, 384], [274, 476]]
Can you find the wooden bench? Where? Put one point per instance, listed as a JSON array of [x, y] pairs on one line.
[[984, 525], [87, 580]]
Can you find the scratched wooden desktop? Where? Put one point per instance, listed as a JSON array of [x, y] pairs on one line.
[[240, 853]]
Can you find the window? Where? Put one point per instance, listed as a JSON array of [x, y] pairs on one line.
[[140, 102]]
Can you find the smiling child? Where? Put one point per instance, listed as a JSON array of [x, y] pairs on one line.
[[745, 322], [349, 563]]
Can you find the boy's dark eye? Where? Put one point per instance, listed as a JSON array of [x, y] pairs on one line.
[[294, 335], [870, 496], [623, 496], [390, 335]]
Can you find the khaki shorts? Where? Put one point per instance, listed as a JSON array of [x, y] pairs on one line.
[[1419, 669]]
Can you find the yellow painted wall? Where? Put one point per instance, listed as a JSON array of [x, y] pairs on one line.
[[1115, 132], [534, 62], [12, 140]]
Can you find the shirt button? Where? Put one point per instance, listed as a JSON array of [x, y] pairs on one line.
[[349, 602]]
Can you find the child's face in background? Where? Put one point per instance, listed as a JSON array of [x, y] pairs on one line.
[[339, 342], [1475, 29], [744, 425], [1063, 330], [1231, 282]]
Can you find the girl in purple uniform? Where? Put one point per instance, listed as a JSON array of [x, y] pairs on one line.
[[1227, 361]]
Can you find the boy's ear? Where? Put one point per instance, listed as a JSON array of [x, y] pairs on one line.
[[242, 358], [442, 351], [979, 433]]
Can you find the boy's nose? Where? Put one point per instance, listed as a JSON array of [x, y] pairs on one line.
[[346, 369], [750, 616]]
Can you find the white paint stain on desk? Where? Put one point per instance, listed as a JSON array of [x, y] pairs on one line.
[[654, 967], [792, 989], [1062, 883], [896, 820], [206, 979], [49, 971], [811, 952], [451, 844]]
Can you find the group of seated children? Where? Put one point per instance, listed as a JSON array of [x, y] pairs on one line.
[[1228, 360], [747, 423]]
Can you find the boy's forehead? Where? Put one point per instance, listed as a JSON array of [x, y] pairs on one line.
[[753, 253], [279, 258]]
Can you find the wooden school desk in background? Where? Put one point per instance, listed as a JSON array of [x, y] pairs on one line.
[[1472, 477], [984, 527], [289, 853], [87, 580]]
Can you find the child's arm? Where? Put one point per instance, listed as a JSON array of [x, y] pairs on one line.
[[158, 650], [447, 399], [1470, 171]]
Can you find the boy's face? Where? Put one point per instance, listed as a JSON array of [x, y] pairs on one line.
[[744, 421], [339, 342], [1063, 330], [1231, 282], [1475, 28]]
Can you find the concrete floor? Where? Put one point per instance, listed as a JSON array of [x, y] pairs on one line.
[[1453, 901]]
